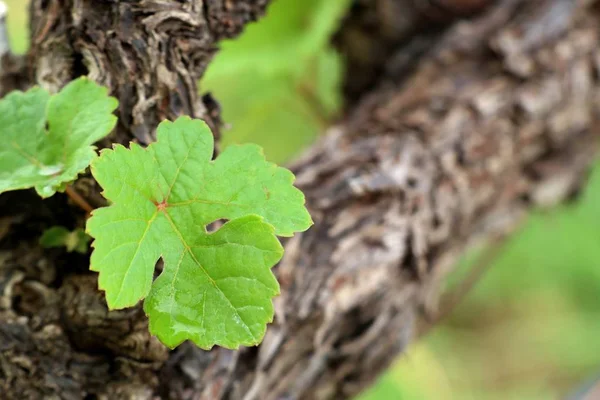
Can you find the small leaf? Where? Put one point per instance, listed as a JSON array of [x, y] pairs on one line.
[[59, 236], [54, 237], [215, 288], [46, 140]]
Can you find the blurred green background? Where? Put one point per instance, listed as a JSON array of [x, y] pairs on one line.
[[529, 330]]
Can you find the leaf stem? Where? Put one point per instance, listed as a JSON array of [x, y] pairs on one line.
[[78, 199]]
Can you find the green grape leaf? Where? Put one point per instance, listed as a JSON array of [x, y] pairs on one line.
[[215, 287], [47, 140], [59, 236]]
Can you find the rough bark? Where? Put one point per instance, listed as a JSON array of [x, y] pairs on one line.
[[387, 37], [150, 53], [498, 115]]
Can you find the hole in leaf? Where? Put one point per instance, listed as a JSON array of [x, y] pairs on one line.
[[158, 269], [79, 67], [215, 226]]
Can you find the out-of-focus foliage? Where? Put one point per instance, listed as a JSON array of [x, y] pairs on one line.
[[17, 24], [528, 331], [278, 84]]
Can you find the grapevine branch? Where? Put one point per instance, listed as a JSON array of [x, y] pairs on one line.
[[494, 116]]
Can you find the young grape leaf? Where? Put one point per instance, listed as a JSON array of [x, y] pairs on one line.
[[47, 140], [59, 236], [215, 288]]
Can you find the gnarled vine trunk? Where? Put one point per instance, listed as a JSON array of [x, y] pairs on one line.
[[445, 144]]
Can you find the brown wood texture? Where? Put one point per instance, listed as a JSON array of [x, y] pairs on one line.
[[496, 116], [150, 53]]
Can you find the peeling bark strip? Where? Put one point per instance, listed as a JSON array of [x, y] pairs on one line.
[[501, 115], [151, 53]]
